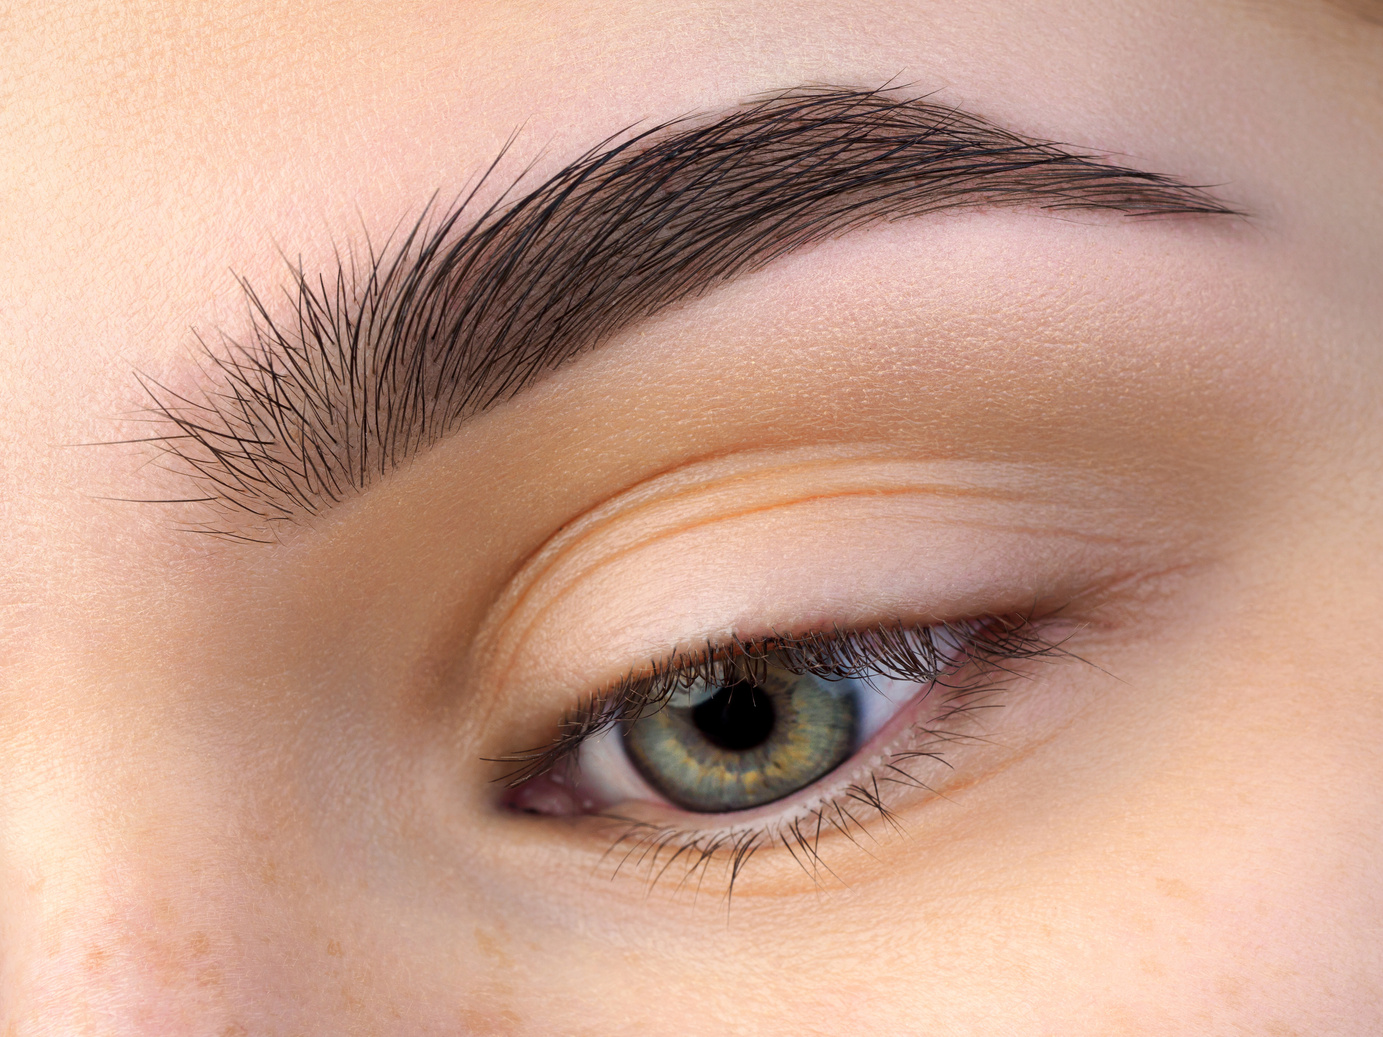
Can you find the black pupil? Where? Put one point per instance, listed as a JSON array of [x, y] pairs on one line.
[[737, 717]]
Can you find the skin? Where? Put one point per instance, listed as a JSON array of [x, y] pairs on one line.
[[242, 787]]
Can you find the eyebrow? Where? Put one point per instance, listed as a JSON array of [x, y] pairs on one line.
[[366, 366]]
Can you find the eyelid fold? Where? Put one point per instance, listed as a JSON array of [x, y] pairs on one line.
[[968, 563], [804, 538], [694, 570]]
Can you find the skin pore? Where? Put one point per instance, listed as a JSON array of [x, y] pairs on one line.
[[244, 786]]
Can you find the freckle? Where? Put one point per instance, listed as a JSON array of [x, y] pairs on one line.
[[491, 948], [1153, 967], [478, 1023], [334, 948], [200, 943], [234, 1030], [1178, 890], [1231, 990], [1141, 922], [209, 977]]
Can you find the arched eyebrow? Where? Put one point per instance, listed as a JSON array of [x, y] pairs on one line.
[[369, 365]]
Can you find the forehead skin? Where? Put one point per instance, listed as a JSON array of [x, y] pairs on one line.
[[147, 150]]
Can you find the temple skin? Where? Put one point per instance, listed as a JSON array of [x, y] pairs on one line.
[[243, 786]]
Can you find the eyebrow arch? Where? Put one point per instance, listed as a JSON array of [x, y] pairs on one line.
[[374, 362]]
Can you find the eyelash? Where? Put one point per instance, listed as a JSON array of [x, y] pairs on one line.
[[986, 651]]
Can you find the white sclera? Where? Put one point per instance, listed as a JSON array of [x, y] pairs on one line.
[[878, 700]]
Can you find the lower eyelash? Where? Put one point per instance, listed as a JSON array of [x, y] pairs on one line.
[[987, 652], [656, 850]]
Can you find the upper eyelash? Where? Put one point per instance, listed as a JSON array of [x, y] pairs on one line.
[[922, 654]]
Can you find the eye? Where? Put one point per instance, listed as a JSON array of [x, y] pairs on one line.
[[743, 725], [733, 746]]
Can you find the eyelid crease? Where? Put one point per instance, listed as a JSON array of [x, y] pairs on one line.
[[887, 475], [611, 558], [650, 493]]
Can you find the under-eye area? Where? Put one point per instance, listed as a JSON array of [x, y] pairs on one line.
[[777, 744]]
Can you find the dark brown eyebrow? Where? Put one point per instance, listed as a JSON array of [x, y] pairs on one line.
[[367, 366]]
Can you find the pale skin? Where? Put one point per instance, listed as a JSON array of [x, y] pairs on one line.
[[243, 786]]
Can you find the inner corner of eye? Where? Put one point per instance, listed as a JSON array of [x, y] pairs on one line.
[[550, 794]]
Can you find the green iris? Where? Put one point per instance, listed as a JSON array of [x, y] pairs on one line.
[[740, 745]]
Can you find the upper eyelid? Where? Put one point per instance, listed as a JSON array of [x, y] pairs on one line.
[[586, 650], [861, 471]]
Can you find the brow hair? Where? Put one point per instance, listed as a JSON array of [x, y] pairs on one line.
[[365, 367]]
